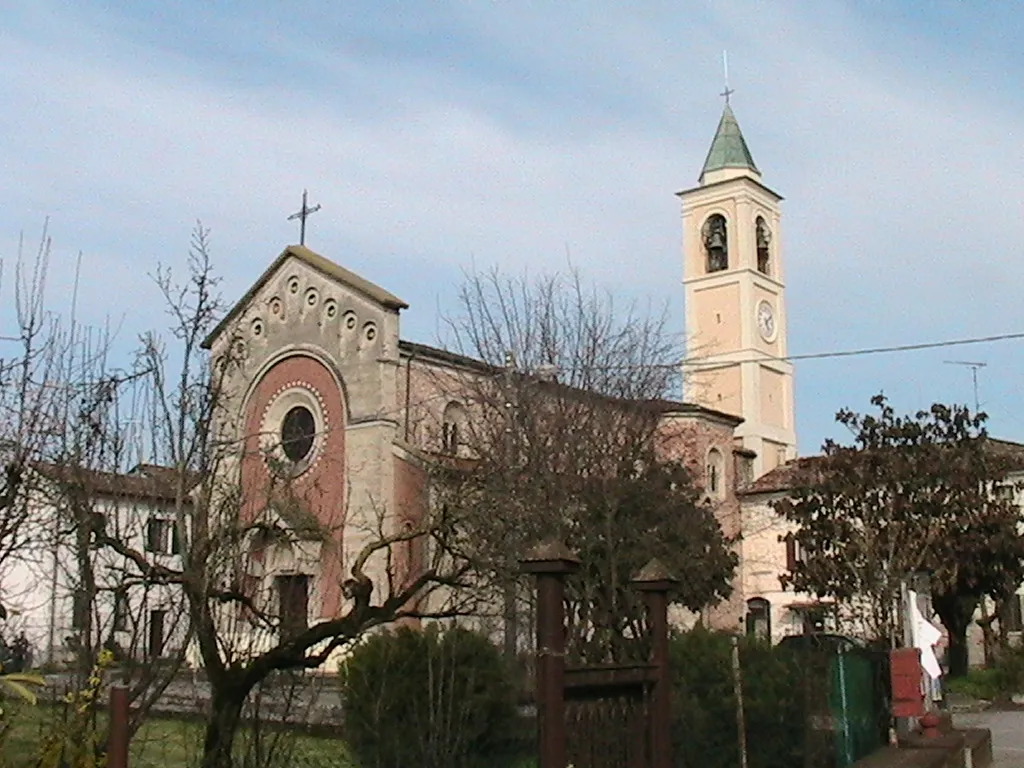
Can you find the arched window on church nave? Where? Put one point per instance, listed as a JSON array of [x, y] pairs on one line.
[[453, 428], [714, 482], [716, 243], [763, 238]]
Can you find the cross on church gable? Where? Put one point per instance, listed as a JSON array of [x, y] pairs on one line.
[[303, 214]]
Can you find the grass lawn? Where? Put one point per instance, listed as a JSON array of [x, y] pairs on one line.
[[166, 743]]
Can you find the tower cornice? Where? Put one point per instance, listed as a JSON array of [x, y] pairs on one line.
[[715, 187], [734, 275]]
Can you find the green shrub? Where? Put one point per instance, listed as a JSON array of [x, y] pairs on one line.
[[704, 724], [998, 682], [1011, 670], [429, 698], [977, 683]]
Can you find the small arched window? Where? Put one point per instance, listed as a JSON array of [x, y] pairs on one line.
[[763, 238], [453, 425], [715, 481], [716, 243], [759, 618]]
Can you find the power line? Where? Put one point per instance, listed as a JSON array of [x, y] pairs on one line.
[[705, 362], [912, 347], [865, 351]]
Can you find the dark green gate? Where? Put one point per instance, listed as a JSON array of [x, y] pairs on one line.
[[858, 704]]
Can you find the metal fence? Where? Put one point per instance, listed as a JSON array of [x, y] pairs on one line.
[[816, 709]]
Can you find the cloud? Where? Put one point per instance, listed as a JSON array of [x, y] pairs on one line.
[[514, 134]]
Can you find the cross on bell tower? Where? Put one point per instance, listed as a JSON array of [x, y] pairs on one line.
[[725, 69]]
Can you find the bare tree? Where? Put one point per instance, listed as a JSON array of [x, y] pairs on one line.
[[241, 636], [563, 436], [49, 393], [64, 448], [71, 426], [28, 405]]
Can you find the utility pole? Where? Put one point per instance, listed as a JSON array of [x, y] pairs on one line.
[[983, 606], [510, 597], [977, 409]]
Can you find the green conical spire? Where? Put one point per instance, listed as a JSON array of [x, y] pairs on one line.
[[728, 149]]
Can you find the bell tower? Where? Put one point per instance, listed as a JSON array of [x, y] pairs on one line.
[[735, 299]]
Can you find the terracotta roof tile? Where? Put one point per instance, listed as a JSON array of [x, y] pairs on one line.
[[785, 477], [146, 481], [802, 471]]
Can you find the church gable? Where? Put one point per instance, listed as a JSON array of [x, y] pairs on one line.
[[306, 304], [321, 283]]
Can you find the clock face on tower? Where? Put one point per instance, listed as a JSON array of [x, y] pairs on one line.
[[766, 321]]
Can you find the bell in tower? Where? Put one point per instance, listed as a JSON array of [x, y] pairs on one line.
[[716, 244]]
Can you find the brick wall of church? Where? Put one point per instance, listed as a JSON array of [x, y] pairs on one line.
[[692, 437], [428, 389], [432, 387], [411, 499]]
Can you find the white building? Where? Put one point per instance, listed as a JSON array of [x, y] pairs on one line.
[[43, 588]]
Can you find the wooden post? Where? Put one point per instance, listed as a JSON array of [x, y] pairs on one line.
[[655, 581], [117, 736], [550, 563], [737, 687]]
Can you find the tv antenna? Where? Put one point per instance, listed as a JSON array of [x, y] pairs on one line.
[[974, 377]]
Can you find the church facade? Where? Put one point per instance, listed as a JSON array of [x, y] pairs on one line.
[[336, 419]]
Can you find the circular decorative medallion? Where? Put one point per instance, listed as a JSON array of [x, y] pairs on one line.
[[292, 429]]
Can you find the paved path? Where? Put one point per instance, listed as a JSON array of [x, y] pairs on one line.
[[1007, 735]]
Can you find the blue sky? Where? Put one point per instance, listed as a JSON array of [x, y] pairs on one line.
[[441, 135]]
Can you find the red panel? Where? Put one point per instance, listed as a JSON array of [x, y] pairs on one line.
[[322, 486], [907, 696]]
